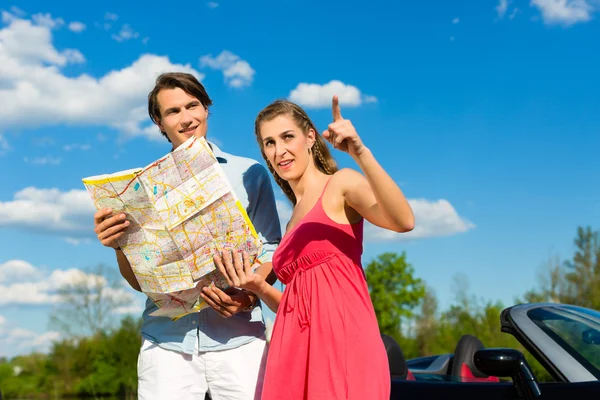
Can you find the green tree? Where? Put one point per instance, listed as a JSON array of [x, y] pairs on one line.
[[551, 283], [113, 367], [582, 272], [395, 291], [87, 303], [575, 281], [426, 325]]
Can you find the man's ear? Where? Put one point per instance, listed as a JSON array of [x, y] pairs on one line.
[[158, 123]]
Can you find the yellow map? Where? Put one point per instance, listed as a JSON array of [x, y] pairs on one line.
[[182, 209]]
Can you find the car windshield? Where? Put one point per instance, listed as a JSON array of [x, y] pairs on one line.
[[575, 329]]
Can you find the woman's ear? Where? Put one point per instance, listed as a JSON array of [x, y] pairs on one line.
[[311, 137]]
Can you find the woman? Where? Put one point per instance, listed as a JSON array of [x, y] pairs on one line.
[[325, 342]]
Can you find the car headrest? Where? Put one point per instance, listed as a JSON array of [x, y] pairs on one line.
[[464, 354], [396, 359]]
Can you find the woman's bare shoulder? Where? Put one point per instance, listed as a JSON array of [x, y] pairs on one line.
[[347, 177]]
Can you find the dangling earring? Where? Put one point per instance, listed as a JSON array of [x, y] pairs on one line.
[[309, 151]]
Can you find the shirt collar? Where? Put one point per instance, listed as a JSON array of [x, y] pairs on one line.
[[219, 155]]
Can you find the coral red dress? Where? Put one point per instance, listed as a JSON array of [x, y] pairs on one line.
[[326, 343]]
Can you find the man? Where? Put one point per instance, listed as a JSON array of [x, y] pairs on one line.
[[220, 350]]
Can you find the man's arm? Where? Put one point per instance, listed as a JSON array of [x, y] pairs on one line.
[[108, 229], [126, 271]]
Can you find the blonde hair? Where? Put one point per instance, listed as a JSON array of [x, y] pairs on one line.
[[321, 155]]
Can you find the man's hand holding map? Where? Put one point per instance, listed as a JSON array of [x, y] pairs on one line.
[[182, 210]]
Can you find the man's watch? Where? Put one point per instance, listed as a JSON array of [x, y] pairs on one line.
[[253, 303]]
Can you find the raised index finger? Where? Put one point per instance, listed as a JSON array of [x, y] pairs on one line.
[[335, 109]]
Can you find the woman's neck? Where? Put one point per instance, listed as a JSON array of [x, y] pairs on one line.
[[307, 181]]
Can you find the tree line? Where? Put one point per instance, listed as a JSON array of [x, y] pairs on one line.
[[102, 363]]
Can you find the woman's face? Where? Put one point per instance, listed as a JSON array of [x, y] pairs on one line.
[[286, 146]]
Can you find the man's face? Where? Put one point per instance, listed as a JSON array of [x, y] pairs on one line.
[[181, 116]]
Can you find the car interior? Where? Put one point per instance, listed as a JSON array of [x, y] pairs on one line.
[[458, 366]]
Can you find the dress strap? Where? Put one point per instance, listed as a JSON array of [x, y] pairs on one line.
[[325, 187]]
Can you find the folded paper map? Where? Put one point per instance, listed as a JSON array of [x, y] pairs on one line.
[[182, 210]]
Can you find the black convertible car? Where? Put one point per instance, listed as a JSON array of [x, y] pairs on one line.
[[564, 339]]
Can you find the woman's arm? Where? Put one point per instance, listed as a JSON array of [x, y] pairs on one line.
[[375, 195]]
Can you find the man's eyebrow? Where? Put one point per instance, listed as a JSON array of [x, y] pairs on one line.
[[193, 103], [171, 109]]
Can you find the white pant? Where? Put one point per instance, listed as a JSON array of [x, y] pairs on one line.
[[234, 374]]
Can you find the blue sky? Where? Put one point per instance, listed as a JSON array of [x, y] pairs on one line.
[[486, 114]]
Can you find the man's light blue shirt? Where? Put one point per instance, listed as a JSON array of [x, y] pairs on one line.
[[207, 330]]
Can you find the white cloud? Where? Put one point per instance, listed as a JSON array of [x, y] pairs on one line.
[[564, 12], [111, 16], [76, 146], [16, 271], [17, 11], [105, 25], [35, 92], [133, 309], [313, 95], [62, 277], [7, 17], [456, 20], [43, 141], [237, 72], [501, 8], [126, 33], [44, 341], [432, 219], [4, 146], [74, 56], [77, 27], [27, 293], [77, 241], [47, 21], [43, 160], [68, 214], [20, 333], [369, 99], [17, 59], [32, 286], [26, 339], [16, 340], [2, 321], [212, 4]]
